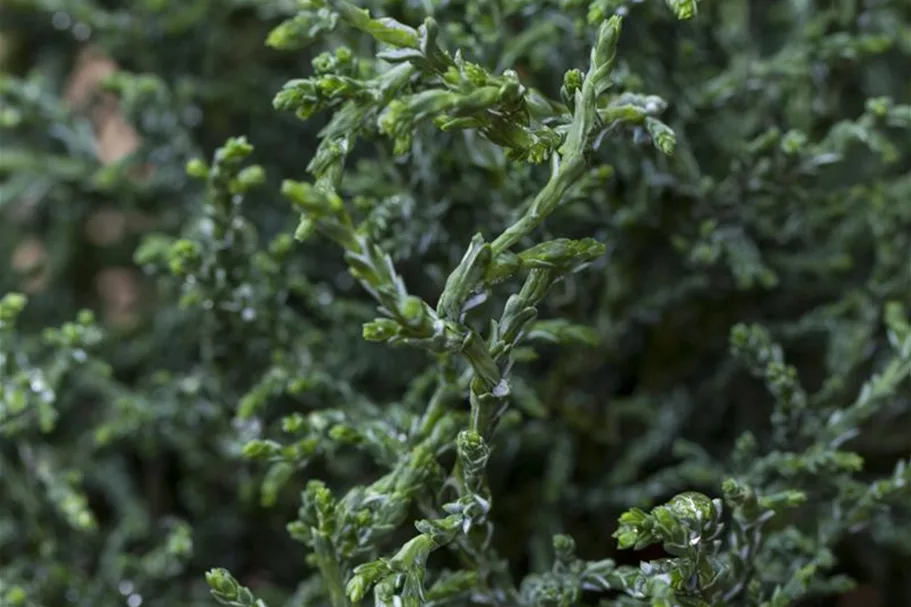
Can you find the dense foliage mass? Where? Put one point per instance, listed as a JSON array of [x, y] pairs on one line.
[[540, 303]]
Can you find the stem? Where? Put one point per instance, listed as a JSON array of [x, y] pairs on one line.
[[543, 204], [473, 557], [331, 573]]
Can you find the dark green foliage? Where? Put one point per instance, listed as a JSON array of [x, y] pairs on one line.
[[483, 302]]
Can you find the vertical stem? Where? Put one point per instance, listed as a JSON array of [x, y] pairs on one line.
[[327, 561]]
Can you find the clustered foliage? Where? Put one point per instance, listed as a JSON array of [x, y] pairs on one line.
[[541, 303]]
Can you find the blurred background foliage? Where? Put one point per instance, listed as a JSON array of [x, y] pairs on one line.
[[787, 202]]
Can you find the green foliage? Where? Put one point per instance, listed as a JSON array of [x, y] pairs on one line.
[[538, 304]]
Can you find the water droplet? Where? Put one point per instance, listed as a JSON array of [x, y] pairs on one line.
[[38, 384], [207, 227], [190, 385], [61, 21], [501, 389]]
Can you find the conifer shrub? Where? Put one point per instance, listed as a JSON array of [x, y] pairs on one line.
[[541, 303]]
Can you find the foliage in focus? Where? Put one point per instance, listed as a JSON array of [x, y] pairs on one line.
[[481, 302]]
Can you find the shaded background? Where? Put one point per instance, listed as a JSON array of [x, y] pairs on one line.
[[103, 104]]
